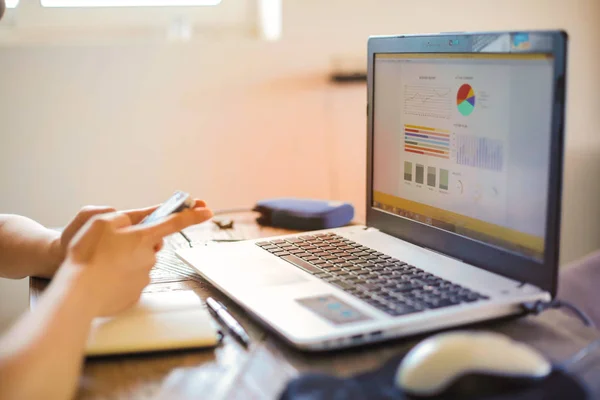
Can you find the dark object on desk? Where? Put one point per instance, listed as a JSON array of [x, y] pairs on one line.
[[303, 214], [223, 223], [234, 327], [379, 384]]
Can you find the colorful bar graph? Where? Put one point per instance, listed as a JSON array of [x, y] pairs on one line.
[[427, 141]]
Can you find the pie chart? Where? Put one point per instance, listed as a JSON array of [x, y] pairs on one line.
[[465, 99]]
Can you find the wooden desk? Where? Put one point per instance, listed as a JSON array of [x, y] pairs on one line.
[[232, 372]]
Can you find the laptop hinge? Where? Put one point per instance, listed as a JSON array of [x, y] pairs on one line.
[[442, 254]]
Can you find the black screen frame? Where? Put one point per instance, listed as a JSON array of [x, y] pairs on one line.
[[541, 273]]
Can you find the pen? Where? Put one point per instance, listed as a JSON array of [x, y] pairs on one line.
[[221, 313]]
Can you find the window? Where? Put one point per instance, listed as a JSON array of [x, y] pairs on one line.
[[128, 3], [11, 3]]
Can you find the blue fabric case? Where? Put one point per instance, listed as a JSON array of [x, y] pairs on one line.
[[302, 214]]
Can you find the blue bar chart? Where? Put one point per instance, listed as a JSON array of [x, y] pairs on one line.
[[479, 152]]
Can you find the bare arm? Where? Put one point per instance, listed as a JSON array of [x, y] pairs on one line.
[[107, 265], [30, 249], [27, 248], [40, 357]]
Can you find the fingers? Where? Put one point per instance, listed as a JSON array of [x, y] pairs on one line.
[[199, 203], [138, 215], [83, 216], [173, 223]]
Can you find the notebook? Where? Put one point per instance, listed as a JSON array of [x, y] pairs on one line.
[[160, 321]]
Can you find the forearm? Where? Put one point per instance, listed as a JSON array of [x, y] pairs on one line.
[[41, 356], [27, 248]]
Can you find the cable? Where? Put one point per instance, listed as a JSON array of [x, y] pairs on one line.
[[581, 354], [539, 307]]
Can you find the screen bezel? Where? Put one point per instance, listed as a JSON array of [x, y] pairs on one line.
[[541, 273]]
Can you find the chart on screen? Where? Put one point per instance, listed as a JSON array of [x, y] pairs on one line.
[[465, 99]]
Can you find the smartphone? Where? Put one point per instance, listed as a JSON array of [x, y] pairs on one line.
[[176, 203]]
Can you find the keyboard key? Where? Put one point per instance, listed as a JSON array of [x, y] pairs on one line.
[[368, 286], [278, 241], [281, 253], [301, 264], [304, 255], [342, 284], [294, 240], [295, 251], [263, 243], [306, 237], [310, 258], [361, 254], [365, 265], [329, 258], [401, 309]]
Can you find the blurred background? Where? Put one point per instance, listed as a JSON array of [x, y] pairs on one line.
[[232, 101]]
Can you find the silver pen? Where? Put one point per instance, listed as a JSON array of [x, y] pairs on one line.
[[221, 313]]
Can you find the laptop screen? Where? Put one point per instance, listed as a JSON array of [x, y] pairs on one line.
[[462, 143]]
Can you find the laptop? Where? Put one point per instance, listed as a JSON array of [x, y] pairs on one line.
[[465, 149]]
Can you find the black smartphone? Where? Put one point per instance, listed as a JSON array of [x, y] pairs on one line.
[[176, 203]]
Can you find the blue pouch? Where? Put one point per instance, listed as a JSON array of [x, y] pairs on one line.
[[303, 214]]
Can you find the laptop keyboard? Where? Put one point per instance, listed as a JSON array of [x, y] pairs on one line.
[[388, 284]]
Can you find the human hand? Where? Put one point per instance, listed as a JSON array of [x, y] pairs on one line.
[[59, 246], [113, 256]]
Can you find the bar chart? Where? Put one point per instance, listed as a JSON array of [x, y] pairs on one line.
[[479, 152], [444, 179], [420, 173], [427, 141], [431, 176], [407, 171]]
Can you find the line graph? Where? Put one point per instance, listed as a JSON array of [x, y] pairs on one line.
[[427, 101]]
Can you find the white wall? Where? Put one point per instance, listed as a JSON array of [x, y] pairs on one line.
[[233, 119]]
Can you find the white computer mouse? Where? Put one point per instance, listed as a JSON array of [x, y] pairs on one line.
[[433, 365]]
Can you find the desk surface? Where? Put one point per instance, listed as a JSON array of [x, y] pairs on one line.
[[262, 370]]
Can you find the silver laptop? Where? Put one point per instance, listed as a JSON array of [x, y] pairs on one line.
[[465, 143]]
